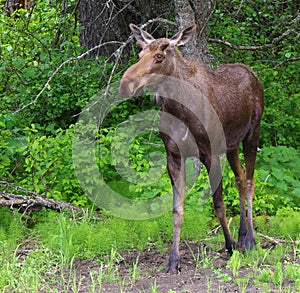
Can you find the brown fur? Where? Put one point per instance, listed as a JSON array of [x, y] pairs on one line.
[[236, 95]]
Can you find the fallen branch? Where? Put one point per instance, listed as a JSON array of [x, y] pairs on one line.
[[287, 60], [32, 201], [278, 241]]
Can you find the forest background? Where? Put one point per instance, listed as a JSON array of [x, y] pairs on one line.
[[47, 78], [56, 56]]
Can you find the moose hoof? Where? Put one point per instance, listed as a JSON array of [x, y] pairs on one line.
[[249, 242], [172, 267], [230, 246], [246, 243]]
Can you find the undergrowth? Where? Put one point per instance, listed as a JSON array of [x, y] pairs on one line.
[[35, 249]]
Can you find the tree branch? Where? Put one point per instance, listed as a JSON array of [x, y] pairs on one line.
[[61, 65], [118, 53], [287, 60], [158, 19], [275, 41]]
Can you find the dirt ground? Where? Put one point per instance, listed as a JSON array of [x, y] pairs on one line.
[[150, 276]]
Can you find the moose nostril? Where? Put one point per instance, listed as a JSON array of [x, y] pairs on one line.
[[127, 87], [131, 88]]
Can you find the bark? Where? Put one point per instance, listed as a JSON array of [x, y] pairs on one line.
[[199, 12], [106, 20], [30, 201], [10, 6]]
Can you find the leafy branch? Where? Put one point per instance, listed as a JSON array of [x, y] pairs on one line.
[[275, 41], [117, 54], [72, 59]]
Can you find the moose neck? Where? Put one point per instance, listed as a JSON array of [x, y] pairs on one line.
[[186, 78], [184, 68]]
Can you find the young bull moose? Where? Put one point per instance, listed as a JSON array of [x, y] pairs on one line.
[[232, 92]]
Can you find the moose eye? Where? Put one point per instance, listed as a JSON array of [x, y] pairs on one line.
[[159, 58]]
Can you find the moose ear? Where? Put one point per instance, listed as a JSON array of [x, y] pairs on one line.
[[143, 38], [183, 36]]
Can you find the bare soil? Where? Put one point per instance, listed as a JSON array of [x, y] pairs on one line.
[[216, 277]]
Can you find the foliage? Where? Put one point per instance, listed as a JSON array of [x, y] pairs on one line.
[[33, 43], [286, 223], [42, 163], [258, 23], [48, 166], [277, 168], [277, 184], [132, 158], [36, 142]]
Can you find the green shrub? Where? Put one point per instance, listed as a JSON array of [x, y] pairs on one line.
[[259, 23], [277, 184], [277, 170], [48, 166], [285, 223], [11, 231]]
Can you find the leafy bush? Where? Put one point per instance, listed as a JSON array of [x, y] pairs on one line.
[[277, 184], [33, 46], [281, 119], [276, 178], [277, 168], [35, 143], [132, 160], [49, 167], [41, 163]]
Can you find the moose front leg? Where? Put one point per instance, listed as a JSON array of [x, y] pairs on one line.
[[176, 169]]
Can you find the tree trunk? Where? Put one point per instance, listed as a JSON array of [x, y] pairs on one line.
[[10, 6], [106, 20], [199, 12]]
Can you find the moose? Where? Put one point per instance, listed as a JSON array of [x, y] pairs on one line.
[[195, 97]]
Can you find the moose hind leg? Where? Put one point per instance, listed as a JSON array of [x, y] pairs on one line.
[[215, 177], [238, 170], [250, 150]]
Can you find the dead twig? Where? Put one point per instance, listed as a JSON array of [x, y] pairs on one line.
[[117, 53]]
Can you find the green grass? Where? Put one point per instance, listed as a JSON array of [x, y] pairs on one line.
[[36, 250]]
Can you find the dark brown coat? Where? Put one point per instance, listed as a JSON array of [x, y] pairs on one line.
[[205, 113]]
